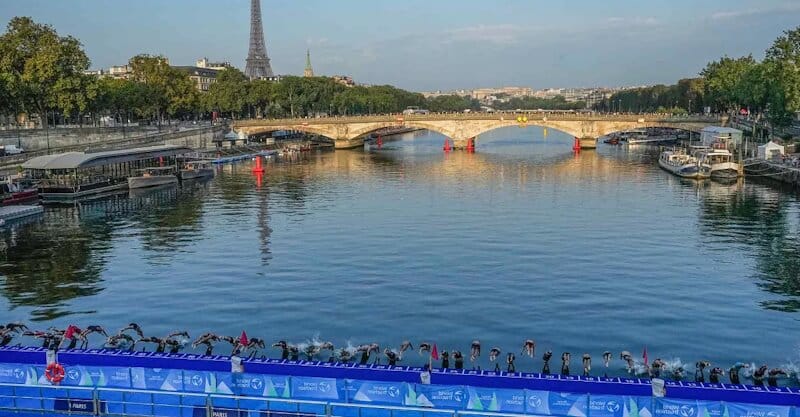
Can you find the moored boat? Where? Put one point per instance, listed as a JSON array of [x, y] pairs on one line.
[[195, 170], [17, 191], [683, 165], [720, 161], [153, 177]]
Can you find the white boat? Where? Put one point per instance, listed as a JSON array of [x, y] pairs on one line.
[[683, 165], [195, 170], [720, 161], [153, 177]]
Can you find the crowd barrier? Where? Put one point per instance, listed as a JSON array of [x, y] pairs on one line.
[[149, 381]]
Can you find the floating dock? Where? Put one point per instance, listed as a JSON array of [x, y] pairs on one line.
[[103, 382], [11, 213]]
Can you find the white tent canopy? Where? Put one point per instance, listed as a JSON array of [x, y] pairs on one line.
[[770, 150]]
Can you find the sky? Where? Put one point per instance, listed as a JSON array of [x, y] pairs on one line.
[[426, 45]]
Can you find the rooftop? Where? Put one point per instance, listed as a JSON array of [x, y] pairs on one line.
[[73, 160]]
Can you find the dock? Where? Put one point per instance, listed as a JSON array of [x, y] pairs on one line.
[[10, 213]]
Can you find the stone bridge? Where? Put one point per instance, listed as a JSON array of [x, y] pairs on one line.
[[349, 132]]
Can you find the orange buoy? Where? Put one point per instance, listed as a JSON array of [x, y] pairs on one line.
[[54, 373], [471, 145], [446, 145]]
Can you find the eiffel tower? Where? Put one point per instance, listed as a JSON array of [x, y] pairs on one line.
[[257, 59]]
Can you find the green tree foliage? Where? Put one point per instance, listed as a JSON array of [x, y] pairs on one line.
[[782, 74], [42, 70], [722, 79], [452, 103], [533, 103], [169, 90]]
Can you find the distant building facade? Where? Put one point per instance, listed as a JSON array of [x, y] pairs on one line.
[[219, 66], [344, 80], [202, 77]]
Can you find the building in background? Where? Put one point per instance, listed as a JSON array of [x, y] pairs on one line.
[[344, 80], [309, 71], [219, 66], [202, 77]]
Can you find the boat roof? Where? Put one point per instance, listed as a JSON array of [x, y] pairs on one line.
[[73, 160]]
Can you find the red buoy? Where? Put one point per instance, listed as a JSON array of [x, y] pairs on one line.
[[471, 145], [258, 167], [446, 145], [577, 146], [380, 141]]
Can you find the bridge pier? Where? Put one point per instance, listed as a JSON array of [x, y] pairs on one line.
[[349, 143], [588, 142]]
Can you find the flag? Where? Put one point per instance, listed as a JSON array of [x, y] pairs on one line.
[[243, 339], [435, 352], [644, 355]]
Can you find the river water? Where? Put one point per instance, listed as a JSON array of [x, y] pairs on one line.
[[601, 251]]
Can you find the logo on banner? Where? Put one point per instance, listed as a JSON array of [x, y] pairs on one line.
[[534, 401], [458, 395], [612, 406], [19, 373], [257, 383], [687, 411], [197, 380], [73, 374], [324, 386], [393, 391], [772, 414]]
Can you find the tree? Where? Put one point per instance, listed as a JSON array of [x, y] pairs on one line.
[[261, 96], [42, 68], [229, 93], [452, 103], [169, 90], [722, 80], [782, 70]]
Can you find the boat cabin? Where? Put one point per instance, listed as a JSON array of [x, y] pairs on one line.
[[75, 174]]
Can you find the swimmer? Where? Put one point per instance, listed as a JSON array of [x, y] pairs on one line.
[[677, 373], [133, 326], [699, 372], [16, 327], [310, 351], [284, 348], [774, 374], [606, 360], [344, 355], [475, 350], [715, 374], [90, 330], [406, 345], [391, 356], [565, 358], [546, 358], [208, 340], [73, 333], [160, 343], [174, 345], [6, 336], [120, 341], [628, 358], [587, 364], [445, 360], [656, 368], [493, 354], [758, 376], [424, 347], [49, 340], [294, 353], [733, 373], [458, 358], [236, 345], [510, 358], [529, 348], [366, 350]]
